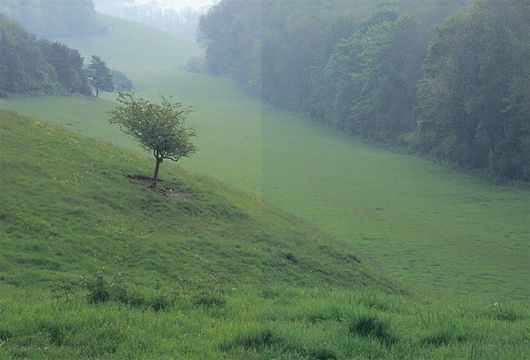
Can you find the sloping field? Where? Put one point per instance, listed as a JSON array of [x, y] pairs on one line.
[[436, 228], [95, 265], [72, 204]]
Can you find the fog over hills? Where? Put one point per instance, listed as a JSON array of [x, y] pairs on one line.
[[179, 16]]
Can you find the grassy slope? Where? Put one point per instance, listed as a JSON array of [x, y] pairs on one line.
[[63, 196], [68, 209], [434, 227]]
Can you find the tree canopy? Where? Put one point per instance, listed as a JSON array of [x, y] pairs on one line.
[[441, 78], [159, 128], [475, 93], [100, 76], [122, 83], [32, 66]]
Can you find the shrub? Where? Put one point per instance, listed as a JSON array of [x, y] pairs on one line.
[[99, 290]]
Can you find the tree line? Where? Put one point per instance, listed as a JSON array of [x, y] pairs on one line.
[[446, 79], [34, 66]]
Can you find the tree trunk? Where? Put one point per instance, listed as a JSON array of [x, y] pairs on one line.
[[155, 175]]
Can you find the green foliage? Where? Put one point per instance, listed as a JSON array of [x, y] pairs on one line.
[[280, 50], [390, 62], [159, 128], [68, 66], [23, 67], [121, 82], [468, 107], [364, 79], [31, 66], [473, 109], [100, 75], [98, 289], [269, 47]]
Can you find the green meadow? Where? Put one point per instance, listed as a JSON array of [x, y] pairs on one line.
[[436, 229], [96, 265]]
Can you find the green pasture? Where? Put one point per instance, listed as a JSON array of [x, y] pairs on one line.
[[95, 265], [274, 323], [437, 229]]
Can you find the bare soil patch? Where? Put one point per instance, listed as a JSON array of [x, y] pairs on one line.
[[165, 189]]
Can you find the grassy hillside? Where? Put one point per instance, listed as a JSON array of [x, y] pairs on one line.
[[434, 227], [70, 204], [96, 265]]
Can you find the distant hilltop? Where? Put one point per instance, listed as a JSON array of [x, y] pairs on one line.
[[177, 5], [178, 16], [53, 18]]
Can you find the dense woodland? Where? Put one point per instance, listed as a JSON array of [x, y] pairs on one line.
[[53, 17], [33, 66], [447, 79]]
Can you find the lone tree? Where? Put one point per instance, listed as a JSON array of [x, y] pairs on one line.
[[100, 76], [160, 128]]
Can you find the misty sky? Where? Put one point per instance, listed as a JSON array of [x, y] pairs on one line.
[[177, 4]]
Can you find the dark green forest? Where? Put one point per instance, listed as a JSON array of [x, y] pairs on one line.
[[33, 66], [54, 17], [446, 79]]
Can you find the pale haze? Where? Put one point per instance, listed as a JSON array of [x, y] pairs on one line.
[[179, 16], [174, 4]]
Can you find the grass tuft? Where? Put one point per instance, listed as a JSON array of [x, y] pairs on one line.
[[209, 300], [323, 354], [256, 340], [53, 332], [160, 303], [291, 257], [503, 312], [370, 326], [5, 335], [444, 337]]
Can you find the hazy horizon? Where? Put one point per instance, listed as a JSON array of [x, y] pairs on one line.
[[178, 5]]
